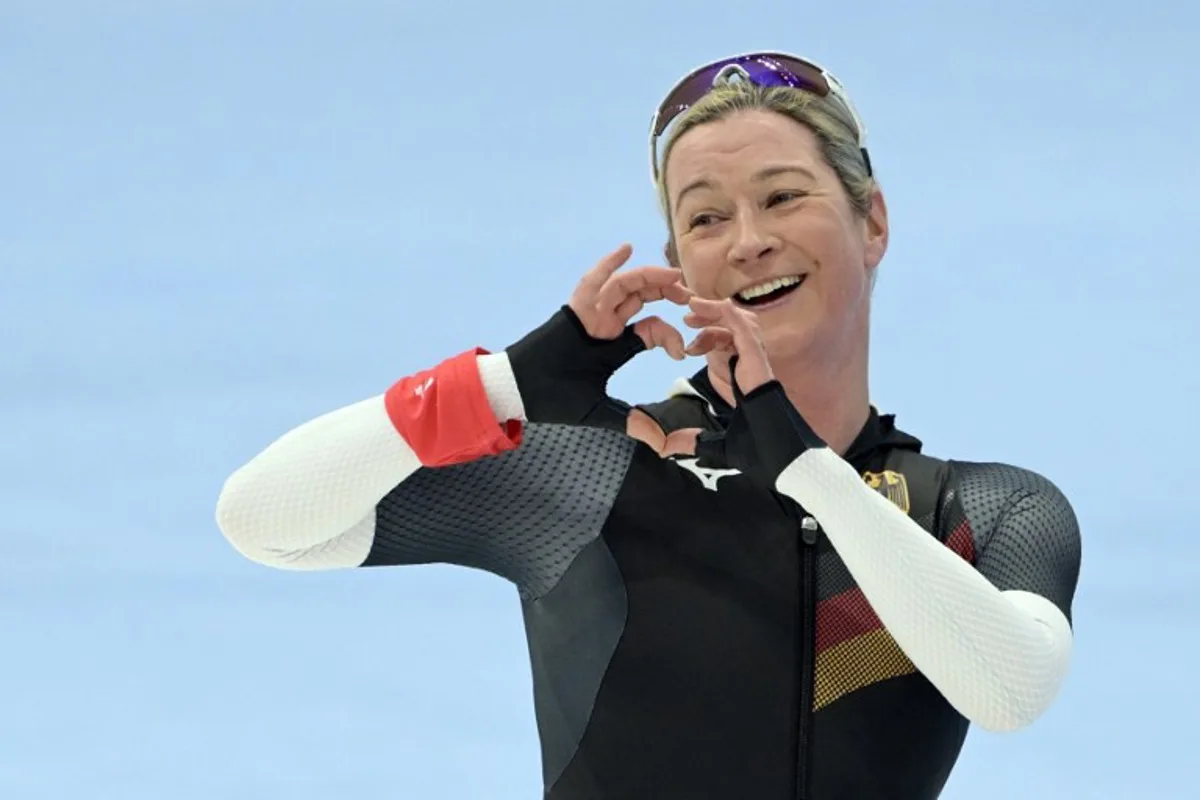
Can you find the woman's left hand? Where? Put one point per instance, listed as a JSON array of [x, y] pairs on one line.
[[726, 331], [766, 432]]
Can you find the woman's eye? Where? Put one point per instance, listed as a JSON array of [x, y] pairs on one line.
[[781, 197], [701, 220]]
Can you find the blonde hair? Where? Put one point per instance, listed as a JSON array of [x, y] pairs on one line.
[[828, 119]]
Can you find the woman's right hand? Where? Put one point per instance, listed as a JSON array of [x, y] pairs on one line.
[[562, 368], [605, 301]]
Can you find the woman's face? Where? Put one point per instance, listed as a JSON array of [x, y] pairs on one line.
[[758, 216]]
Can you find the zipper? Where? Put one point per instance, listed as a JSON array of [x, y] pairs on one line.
[[809, 534]]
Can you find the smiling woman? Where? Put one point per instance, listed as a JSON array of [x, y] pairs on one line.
[[769, 199], [758, 587]]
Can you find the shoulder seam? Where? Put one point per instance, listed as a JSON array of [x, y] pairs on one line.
[[1015, 498]]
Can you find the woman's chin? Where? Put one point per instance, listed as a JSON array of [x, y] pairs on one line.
[[789, 342]]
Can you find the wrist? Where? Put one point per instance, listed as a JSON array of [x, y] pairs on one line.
[[500, 385], [561, 372], [548, 346], [780, 433], [445, 415]]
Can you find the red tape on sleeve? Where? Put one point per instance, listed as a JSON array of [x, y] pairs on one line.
[[444, 414]]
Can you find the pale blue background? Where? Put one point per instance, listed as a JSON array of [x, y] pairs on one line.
[[220, 219]]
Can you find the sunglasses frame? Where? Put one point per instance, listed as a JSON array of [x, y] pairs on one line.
[[774, 60]]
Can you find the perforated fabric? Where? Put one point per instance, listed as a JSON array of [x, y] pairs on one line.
[[307, 500], [345, 490], [854, 650], [998, 660], [500, 384], [523, 515], [1027, 533]]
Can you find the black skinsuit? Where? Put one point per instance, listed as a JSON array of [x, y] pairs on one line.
[[691, 636]]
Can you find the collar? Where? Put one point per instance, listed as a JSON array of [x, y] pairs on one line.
[[878, 435]]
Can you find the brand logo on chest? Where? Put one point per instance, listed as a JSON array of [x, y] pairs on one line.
[[708, 475], [888, 483]]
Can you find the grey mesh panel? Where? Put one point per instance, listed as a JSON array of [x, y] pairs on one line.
[[523, 515], [573, 632], [1026, 533]]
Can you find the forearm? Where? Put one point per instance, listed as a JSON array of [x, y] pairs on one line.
[[998, 657], [324, 478]]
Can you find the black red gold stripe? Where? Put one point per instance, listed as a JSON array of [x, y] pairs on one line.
[[854, 650]]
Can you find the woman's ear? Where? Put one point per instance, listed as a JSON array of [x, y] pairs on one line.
[[670, 254]]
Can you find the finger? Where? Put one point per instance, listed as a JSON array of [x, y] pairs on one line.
[[649, 282], [642, 427], [595, 278], [651, 294], [706, 312], [735, 314], [746, 332], [711, 339], [753, 368], [709, 312], [708, 307], [677, 293], [681, 442], [625, 311], [657, 332], [694, 320], [631, 304]]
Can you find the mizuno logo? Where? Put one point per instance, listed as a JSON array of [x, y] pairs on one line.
[[708, 476]]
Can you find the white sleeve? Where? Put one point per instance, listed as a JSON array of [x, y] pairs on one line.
[[308, 500], [999, 657]]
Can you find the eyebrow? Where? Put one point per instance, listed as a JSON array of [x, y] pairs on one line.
[[763, 174], [783, 169]]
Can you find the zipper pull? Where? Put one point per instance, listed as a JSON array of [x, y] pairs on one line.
[[809, 530]]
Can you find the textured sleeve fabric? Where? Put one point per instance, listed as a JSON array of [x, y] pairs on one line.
[[999, 657], [1027, 535], [307, 501], [523, 515], [354, 487]]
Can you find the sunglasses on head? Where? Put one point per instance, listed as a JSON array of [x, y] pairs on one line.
[[761, 69]]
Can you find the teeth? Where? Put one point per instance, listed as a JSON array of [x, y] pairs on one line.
[[768, 287]]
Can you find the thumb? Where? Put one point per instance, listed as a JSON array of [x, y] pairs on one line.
[[657, 332], [680, 442]]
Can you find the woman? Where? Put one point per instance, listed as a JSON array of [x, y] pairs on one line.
[[759, 587]]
